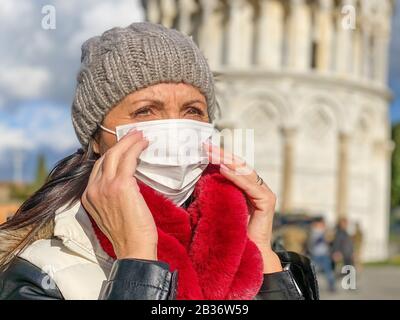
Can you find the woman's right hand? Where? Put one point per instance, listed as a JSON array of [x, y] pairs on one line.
[[113, 199]]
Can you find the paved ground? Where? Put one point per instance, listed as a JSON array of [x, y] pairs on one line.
[[371, 283]]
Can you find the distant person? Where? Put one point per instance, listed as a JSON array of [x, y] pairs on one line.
[[342, 246], [319, 250], [357, 241]]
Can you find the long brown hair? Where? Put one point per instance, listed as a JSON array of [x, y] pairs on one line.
[[64, 186]]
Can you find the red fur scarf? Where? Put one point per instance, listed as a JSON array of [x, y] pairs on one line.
[[207, 242]]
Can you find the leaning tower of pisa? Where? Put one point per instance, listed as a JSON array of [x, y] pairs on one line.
[[311, 78]]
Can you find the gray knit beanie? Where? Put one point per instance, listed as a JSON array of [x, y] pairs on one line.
[[123, 60]]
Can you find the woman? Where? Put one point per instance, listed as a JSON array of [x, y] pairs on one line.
[[111, 224]]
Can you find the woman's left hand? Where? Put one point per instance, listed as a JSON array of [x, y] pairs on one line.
[[261, 202]]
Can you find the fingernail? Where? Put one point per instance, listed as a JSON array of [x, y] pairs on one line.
[[225, 168], [131, 131], [238, 159], [215, 156], [207, 145], [139, 132]]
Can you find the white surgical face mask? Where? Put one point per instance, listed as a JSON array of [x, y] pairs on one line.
[[175, 158]]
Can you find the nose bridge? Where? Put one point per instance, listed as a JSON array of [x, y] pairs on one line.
[[172, 108]]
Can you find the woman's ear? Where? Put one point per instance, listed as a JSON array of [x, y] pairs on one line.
[[95, 143], [96, 147]]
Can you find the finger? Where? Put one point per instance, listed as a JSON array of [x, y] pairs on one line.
[[248, 183], [236, 170], [112, 156], [220, 156], [241, 181], [217, 155], [128, 161]]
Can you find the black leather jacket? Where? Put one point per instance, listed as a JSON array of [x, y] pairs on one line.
[[135, 279]]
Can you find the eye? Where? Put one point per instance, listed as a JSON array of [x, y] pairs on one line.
[[192, 110], [143, 111]]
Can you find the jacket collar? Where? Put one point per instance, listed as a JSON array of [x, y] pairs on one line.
[[73, 227]]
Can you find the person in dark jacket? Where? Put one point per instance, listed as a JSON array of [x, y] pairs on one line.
[[342, 245], [148, 208]]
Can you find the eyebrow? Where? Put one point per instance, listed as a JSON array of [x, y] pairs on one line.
[[194, 101], [161, 103]]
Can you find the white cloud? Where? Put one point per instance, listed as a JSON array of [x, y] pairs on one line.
[[37, 126], [38, 63], [51, 127], [24, 81], [12, 11], [13, 138], [41, 45], [104, 16]]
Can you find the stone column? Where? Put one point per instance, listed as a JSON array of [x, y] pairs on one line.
[[289, 135], [342, 176], [299, 36], [380, 52], [240, 33], [211, 32], [169, 12], [358, 54], [367, 59], [186, 9], [153, 11], [325, 29], [344, 44], [270, 34], [378, 233]]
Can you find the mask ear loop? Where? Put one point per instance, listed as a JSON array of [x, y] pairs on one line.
[[108, 130]]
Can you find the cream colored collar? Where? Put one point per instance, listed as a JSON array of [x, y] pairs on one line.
[[73, 227]]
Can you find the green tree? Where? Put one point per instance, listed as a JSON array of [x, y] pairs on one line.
[[395, 188], [23, 192], [41, 172]]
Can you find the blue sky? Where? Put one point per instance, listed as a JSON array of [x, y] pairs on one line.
[[394, 72], [38, 68]]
